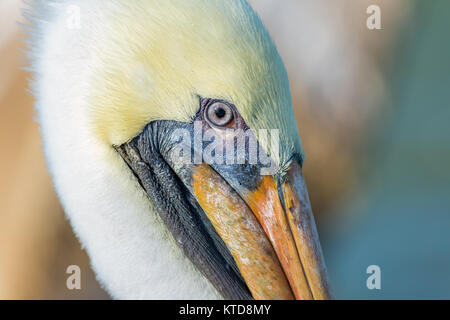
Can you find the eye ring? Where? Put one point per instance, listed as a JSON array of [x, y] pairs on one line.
[[219, 114]]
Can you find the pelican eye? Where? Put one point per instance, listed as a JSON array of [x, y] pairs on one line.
[[219, 114]]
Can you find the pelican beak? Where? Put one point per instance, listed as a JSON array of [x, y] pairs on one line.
[[269, 229], [252, 235]]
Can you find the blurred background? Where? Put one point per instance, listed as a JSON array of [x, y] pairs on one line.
[[373, 110]]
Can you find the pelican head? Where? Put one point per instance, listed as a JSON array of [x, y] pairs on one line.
[[142, 105]]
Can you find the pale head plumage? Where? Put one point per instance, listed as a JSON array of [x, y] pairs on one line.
[[159, 55]]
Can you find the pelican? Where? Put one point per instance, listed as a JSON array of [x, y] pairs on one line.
[[121, 97]]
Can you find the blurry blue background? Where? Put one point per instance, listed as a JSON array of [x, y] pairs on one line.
[[400, 217]]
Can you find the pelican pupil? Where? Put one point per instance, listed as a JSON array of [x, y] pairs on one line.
[[220, 113]]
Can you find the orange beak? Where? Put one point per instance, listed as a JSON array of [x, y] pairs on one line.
[[270, 231]]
